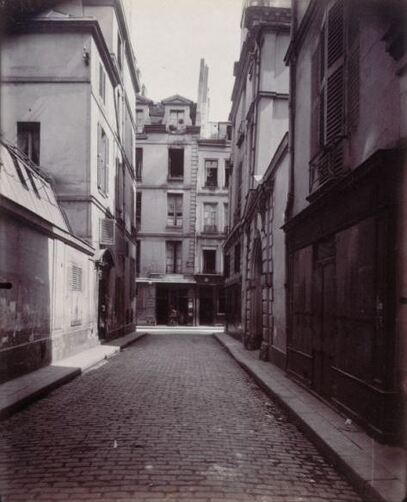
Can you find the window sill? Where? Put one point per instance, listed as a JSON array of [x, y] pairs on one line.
[[179, 180], [173, 227]]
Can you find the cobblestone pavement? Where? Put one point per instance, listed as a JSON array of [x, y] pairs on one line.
[[171, 418]]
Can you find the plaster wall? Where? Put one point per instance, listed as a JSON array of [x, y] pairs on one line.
[[278, 255], [41, 318], [272, 124], [274, 74]]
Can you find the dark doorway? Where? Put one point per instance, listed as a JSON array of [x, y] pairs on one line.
[[105, 265], [256, 304], [172, 305], [206, 306]]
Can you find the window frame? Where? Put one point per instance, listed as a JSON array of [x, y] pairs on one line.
[[207, 168], [175, 210]]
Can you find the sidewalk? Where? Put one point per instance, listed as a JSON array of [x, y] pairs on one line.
[[18, 393], [179, 330], [376, 470]]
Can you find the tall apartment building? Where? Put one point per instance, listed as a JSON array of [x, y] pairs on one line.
[[68, 93], [181, 210], [254, 246]]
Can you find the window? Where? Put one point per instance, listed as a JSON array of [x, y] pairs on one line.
[[174, 257], [334, 108], [174, 210], [76, 282], [176, 118], [221, 302], [225, 216], [226, 265], [76, 297], [227, 174], [103, 160], [176, 163], [139, 163], [138, 208], [139, 119], [237, 258], [209, 261], [211, 173], [210, 217], [138, 250], [102, 83], [119, 189], [28, 140]]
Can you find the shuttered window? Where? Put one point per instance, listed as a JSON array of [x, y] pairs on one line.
[[102, 160], [76, 279], [106, 231], [335, 79]]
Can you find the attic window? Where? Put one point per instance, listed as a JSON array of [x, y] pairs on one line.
[[176, 117]]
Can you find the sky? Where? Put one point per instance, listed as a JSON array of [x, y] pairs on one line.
[[171, 36]]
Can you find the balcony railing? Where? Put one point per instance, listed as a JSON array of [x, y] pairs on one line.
[[327, 165]]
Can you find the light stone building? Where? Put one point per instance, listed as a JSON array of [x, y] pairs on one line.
[[68, 93]]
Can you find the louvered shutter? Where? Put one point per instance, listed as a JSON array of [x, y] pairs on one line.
[[315, 101], [99, 157], [353, 78], [106, 166], [106, 236], [335, 72]]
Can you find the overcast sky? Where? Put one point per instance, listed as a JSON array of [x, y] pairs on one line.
[[170, 37]]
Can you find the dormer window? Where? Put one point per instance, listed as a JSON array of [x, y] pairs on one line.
[[139, 119], [177, 118]]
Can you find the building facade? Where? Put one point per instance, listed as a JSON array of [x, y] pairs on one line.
[[47, 277], [167, 169], [346, 251], [212, 218], [254, 246], [73, 114], [181, 209]]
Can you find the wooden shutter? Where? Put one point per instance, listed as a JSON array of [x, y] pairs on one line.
[[353, 77], [99, 157], [106, 236], [315, 101], [335, 72]]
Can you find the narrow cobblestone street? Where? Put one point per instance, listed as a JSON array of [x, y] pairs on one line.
[[170, 418]]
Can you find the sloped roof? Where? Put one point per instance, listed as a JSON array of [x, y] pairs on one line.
[[177, 99], [25, 185]]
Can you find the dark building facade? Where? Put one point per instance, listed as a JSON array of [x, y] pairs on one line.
[[345, 245]]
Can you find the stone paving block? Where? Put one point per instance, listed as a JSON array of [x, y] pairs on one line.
[[172, 418]]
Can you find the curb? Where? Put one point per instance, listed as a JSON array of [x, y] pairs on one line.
[[363, 487], [67, 375]]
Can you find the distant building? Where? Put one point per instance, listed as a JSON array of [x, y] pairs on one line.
[[68, 93], [167, 168], [181, 210], [211, 223]]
